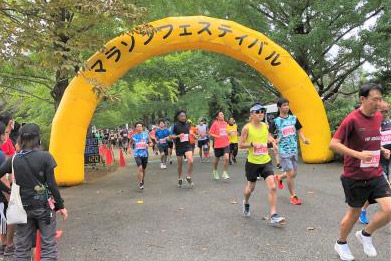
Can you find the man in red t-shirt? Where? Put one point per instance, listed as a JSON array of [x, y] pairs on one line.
[[218, 131], [359, 139]]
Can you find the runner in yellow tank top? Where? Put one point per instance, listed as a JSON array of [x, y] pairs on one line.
[[232, 130], [255, 136]]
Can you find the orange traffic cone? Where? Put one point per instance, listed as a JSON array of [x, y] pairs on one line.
[[122, 161]]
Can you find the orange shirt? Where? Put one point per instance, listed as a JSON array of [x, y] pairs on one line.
[[193, 130]]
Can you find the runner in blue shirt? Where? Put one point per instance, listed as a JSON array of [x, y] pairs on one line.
[[162, 134], [139, 143]]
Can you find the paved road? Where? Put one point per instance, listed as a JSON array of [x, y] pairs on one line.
[[106, 223]]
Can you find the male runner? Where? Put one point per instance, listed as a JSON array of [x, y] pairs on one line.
[[218, 131], [180, 133], [255, 136], [359, 139], [287, 127], [139, 142], [162, 133], [203, 140], [232, 130]]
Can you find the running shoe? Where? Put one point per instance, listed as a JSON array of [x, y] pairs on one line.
[[279, 181], [141, 186], [246, 209], [343, 251], [185, 160], [363, 217], [162, 165], [170, 161], [215, 174], [278, 166], [180, 181], [9, 251], [225, 175], [275, 219], [369, 249], [190, 182], [295, 200]]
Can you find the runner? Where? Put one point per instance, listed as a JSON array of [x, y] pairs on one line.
[[180, 133], [386, 137], [140, 142], [193, 136], [287, 127], [218, 131], [255, 137], [232, 130], [170, 143], [385, 163], [203, 140], [162, 133], [359, 139]]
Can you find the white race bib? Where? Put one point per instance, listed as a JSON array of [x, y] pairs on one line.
[[261, 151], [141, 145], [233, 133], [223, 132], [184, 138], [374, 163], [386, 138], [163, 141], [288, 131]]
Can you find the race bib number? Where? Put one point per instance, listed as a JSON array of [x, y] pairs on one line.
[[125, 135], [223, 132], [233, 133], [262, 150], [374, 163], [184, 138], [163, 141], [288, 131], [141, 145], [386, 138]]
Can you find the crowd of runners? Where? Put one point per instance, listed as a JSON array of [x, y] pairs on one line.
[[364, 138]]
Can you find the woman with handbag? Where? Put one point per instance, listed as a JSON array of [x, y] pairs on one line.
[[34, 175]]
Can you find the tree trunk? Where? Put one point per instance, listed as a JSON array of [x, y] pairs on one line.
[[59, 88]]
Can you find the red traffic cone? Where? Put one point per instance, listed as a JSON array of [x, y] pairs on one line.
[[122, 161], [109, 158]]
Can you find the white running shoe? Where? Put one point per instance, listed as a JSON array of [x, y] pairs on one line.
[[343, 251], [369, 249], [246, 210], [225, 175], [162, 165]]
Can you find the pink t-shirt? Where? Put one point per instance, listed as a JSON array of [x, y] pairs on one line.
[[220, 128], [361, 133]]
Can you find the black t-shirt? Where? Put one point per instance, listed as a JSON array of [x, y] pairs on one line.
[[41, 164], [3, 187], [181, 127]]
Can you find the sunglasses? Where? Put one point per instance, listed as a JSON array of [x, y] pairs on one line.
[[259, 111]]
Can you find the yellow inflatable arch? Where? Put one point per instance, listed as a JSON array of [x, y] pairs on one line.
[[78, 104]]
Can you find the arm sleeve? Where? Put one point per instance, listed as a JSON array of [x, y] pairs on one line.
[[298, 125], [51, 182], [344, 130], [6, 167], [213, 129], [272, 128]]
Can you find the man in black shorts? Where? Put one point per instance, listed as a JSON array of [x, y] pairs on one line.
[[255, 136], [359, 139], [180, 133]]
